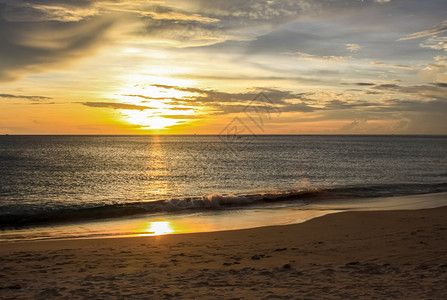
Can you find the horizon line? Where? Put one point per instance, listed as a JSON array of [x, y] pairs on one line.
[[214, 134]]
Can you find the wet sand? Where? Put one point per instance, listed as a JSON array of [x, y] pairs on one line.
[[374, 254]]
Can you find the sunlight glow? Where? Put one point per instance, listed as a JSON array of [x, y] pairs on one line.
[[156, 67], [159, 228], [147, 120], [157, 105]]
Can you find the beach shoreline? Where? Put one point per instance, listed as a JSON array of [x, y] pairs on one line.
[[217, 220], [384, 254]]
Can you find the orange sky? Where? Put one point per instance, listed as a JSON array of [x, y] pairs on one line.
[[211, 67]]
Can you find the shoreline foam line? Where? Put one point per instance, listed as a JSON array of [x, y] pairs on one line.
[[218, 221], [217, 202]]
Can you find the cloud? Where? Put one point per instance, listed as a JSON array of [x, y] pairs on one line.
[[177, 16], [262, 100], [432, 98], [179, 117], [435, 72], [116, 105], [204, 23], [428, 32], [325, 58], [149, 97], [426, 92], [30, 47], [46, 10], [398, 105], [181, 108], [353, 47], [32, 98], [41, 103], [356, 125], [378, 63], [387, 86], [359, 83], [435, 43], [40, 36], [216, 97]]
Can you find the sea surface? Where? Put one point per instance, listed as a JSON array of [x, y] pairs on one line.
[[52, 181]]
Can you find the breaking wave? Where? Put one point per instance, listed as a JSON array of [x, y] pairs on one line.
[[211, 202]]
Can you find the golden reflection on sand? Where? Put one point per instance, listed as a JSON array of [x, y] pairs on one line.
[[158, 228], [155, 228]]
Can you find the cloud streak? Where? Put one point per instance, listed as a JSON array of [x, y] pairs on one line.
[[324, 58], [32, 98], [353, 47], [116, 105], [428, 32]]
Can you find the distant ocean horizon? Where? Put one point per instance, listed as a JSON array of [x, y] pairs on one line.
[[53, 179]]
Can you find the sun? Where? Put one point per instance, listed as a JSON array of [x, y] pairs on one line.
[[157, 106], [147, 120]]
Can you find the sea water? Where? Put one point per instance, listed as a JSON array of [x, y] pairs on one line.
[[52, 180]]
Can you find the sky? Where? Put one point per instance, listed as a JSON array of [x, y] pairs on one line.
[[223, 67]]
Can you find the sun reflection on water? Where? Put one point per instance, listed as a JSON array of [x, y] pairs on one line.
[[158, 172]]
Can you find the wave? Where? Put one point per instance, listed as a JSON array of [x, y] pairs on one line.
[[212, 202]]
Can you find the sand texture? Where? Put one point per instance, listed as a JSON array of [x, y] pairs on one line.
[[352, 255]]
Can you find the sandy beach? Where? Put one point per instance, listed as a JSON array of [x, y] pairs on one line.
[[361, 255]]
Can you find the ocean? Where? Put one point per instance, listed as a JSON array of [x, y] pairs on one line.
[[99, 185]]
